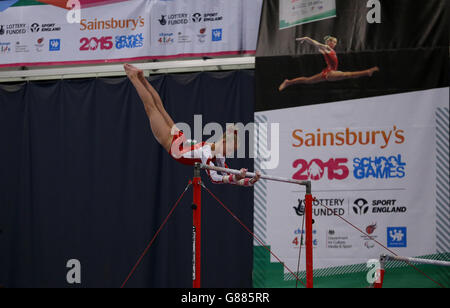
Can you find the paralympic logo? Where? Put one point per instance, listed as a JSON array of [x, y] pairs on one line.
[[264, 141]]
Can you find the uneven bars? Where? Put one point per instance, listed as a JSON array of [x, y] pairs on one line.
[[251, 175], [415, 260]]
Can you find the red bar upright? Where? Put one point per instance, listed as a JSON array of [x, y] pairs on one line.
[[197, 231], [309, 240]]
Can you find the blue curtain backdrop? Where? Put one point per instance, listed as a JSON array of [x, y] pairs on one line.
[[82, 177]]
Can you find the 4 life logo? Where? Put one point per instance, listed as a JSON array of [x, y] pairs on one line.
[[166, 38], [5, 48], [299, 238], [397, 237]]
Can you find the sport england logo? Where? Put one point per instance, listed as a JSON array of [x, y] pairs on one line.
[[217, 35], [197, 17], [397, 237], [387, 206], [361, 206], [35, 27]]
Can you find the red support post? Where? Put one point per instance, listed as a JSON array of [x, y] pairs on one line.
[[309, 240], [379, 283], [197, 229]]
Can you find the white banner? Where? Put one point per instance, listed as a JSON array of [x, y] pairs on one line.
[[131, 30], [198, 27], [297, 12], [371, 161]]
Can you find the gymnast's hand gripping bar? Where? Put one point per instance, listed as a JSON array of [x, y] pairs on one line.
[[263, 176]]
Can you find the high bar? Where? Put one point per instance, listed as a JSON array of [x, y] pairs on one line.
[[416, 260], [251, 175]]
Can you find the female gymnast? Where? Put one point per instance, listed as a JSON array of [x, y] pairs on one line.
[[330, 73], [173, 140]]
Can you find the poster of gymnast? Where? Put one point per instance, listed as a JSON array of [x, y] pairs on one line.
[[358, 120], [365, 163]]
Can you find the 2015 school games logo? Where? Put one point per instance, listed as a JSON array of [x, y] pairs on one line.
[[377, 167]]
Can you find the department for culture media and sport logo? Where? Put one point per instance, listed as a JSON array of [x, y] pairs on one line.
[[397, 237]]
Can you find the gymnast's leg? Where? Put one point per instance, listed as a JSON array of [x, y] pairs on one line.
[[302, 80], [337, 76], [158, 101], [160, 128]]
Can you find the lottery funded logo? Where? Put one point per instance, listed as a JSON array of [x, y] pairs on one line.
[[322, 207]]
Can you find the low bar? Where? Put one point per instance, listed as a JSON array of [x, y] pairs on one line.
[[415, 260], [251, 174]]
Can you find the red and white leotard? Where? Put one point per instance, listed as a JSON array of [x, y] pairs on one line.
[[202, 153], [332, 63]]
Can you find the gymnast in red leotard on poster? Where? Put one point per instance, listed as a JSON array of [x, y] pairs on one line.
[[174, 142], [330, 73]]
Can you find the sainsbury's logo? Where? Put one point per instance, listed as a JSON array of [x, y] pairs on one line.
[[348, 137], [112, 24]]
